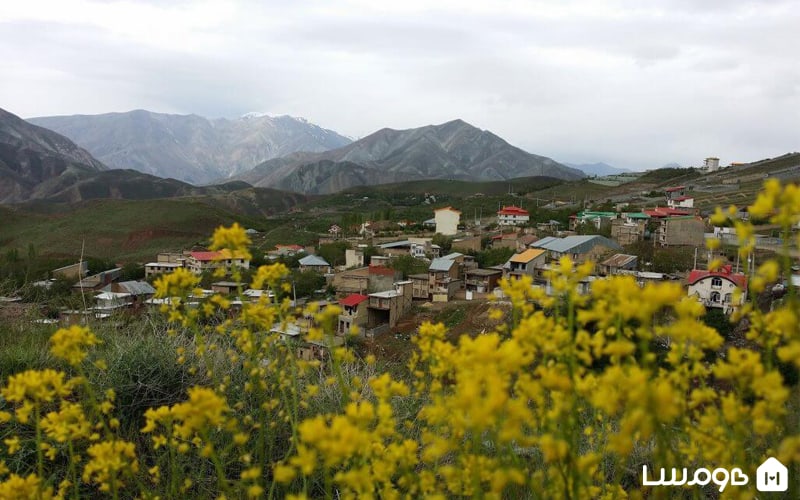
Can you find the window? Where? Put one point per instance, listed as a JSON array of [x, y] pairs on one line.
[[714, 296], [728, 298], [716, 282]]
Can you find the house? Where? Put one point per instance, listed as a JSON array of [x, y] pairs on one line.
[[447, 220], [512, 216], [506, 240], [674, 192], [664, 212], [385, 309], [686, 230], [405, 247], [472, 243], [354, 257], [525, 263], [550, 226], [681, 202], [618, 262], [715, 288], [443, 279], [579, 248], [226, 287], [482, 280], [125, 294], [200, 262], [72, 271], [629, 228], [420, 286], [365, 279], [354, 313], [98, 281], [287, 250], [597, 219], [314, 263], [156, 268]]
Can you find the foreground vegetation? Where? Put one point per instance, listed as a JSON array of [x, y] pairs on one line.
[[569, 398]]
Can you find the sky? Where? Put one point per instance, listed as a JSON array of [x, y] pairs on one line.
[[633, 83]]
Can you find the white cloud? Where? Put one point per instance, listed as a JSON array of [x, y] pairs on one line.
[[635, 82]]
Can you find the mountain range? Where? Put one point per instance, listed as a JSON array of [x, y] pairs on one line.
[[190, 148], [34, 160], [453, 150]]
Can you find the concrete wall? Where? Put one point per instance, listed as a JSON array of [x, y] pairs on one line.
[[684, 231]]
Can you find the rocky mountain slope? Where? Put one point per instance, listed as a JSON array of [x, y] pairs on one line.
[[189, 147], [34, 160], [453, 150]]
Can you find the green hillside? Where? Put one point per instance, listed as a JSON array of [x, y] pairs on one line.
[[120, 230]]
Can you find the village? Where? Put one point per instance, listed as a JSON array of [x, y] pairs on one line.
[[375, 293]]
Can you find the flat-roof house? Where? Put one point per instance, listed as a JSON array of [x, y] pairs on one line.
[[686, 230], [629, 228], [200, 262], [482, 280], [156, 268], [385, 309]]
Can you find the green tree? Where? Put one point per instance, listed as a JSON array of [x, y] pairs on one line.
[[334, 252], [446, 242], [409, 265], [493, 256], [307, 282], [132, 272]]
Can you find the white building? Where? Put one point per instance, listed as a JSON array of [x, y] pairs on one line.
[[716, 288], [447, 220], [513, 216], [711, 163], [681, 202]]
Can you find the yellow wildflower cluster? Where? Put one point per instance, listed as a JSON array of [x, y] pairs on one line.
[[70, 343]]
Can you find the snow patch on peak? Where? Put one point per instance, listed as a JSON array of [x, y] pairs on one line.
[[253, 114]]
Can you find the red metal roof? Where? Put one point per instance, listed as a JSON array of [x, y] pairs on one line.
[[512, 210], [673, 189], [739, 280], [665, 212], [353, 299], [382, 270], [206, 256]]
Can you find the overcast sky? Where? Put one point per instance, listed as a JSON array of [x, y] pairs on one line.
[[634, 83]]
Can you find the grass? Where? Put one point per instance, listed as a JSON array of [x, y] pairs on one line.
[[120, 230], [452, 315]]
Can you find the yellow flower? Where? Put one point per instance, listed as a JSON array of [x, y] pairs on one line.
[[70, 343], [232, 238], [13, 444], [24, 488], [37, 386], [109, 462]]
